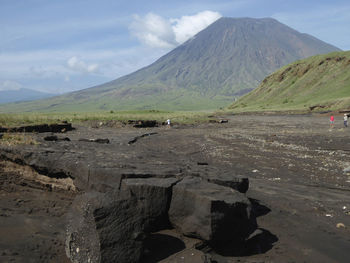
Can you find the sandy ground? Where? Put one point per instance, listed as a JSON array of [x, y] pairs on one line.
[[299, 171]]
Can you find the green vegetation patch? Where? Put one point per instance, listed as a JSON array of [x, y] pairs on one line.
[[184, 117], [317, 83], [10, 139]]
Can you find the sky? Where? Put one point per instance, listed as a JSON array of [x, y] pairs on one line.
[[59, 46]]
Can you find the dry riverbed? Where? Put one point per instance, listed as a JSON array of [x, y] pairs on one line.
[[298, 169]]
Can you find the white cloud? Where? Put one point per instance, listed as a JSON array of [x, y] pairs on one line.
[[155, 31], [77, 64], [10, 85], [187, 26], [48, 70]]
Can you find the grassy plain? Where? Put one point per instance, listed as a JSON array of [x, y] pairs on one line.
[[11, 139], [183, 117], [101, 100]]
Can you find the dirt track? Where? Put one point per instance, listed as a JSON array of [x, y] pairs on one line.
[[298, 169]]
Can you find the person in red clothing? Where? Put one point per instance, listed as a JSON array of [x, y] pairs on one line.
[[331, 121]]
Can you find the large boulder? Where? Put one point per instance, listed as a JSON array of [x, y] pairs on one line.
[[104, 228], [237, 182], [112, 226], [209, 211], [155, 196]]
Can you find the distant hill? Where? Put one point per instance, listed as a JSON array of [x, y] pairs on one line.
[[227, 59], [7, 96], [317, 83]]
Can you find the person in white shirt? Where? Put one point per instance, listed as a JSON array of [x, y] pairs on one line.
[[345, 120]]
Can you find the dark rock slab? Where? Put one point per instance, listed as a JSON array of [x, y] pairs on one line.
[[55, 127], [53, 138], [103, 179], [155, 194], [209, 211], [143, 123], [141, 136], [89, 178], [104, 228], [239, 183], [50, 162]]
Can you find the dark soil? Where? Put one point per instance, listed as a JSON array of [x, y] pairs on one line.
[[299, 172], [32, 216]]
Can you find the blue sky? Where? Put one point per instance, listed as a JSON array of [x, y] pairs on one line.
[[64, 45]]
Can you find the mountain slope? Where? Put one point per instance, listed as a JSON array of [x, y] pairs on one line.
[[7, 96], [317, 83], [227, 59]]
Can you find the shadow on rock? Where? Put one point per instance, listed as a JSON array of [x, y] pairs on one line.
[[160, 246], [260, 242], [258, 209]]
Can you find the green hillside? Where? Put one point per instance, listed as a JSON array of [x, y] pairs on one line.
[[224, 61], [317, 83]]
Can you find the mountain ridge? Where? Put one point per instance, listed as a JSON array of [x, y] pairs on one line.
[[22, 94], [225, 60], [318, 83]]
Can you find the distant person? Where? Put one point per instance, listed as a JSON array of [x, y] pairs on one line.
[[345, 120], [168, 123], [331, 121]]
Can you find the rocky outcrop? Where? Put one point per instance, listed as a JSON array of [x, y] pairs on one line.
[[104, 228], [56, 127], [54, 138], [209, 212], [141, 136], [112, 226], [236, 182], [155, 195], [121, 206], [143, 123]]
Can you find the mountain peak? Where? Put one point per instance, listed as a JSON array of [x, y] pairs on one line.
[[227, 59]]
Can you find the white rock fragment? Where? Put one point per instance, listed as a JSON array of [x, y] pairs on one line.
[[347, 169], [340, 225], [275, 179]]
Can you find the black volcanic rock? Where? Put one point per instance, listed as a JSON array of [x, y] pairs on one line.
[[102, 228], [210, 212], [239, 183], [155, 195], [54, 127]]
